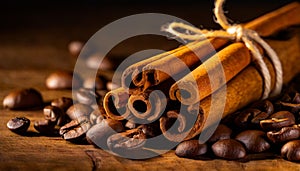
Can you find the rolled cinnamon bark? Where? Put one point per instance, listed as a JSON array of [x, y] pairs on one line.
[[115, 104], [132, 76], [196, 85], [247, 86], [148, 105], [156, 71]]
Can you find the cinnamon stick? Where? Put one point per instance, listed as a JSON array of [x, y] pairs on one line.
[[115, 104], [196, 85], [247, 86], [221, 68], [157, 71]]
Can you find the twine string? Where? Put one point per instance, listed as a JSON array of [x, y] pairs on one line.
[[237, 33]]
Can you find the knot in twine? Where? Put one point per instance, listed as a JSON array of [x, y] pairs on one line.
[[237, 33]]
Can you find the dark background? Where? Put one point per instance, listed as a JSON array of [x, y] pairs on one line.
[[33, 31]]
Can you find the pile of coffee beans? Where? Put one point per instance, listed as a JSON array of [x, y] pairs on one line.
[[270, 127]]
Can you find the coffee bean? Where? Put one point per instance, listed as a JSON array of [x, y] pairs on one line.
[[264, 106], [63, 102], [250, 118], [284, 134], [190, 149], [122, 143], [222, 132], [291, 150], [63, 80], [55, 114], [98, 83], [18, 125], [278, 120], [99, 133], [22, 99], [75, 47], [97, 115], [75, 131], [45, 127], [78, 110], [229, 149], [254, 140], [87, 96]]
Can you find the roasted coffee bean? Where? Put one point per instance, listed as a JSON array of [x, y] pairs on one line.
[[254, 140], [87, 96], [294, 108], [291, 150], [275, 124], [250, 118], [63, 80], [97, 115], [98, 83], [121, 143], [75, 48], [24, 98], [229, 149], [264, 106], [99, 133], [78, 110], [190, 149], [98, 61], [18, 125], [150, 130], [63, 102], [222, 132], [285, 134], [55, 114], [278, 120], [75, 131], [45, 127]]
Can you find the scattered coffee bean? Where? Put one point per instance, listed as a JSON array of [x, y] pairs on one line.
[[55, 114], [98, 83], [264, 106], [250, 118], [45, 127], [222, 132], [87, 96], [97, 115], [78, 110], [121, 143], [63, 80], [190, 149], [285, 134], [75, 131], [18, 125], [229, 149], [64, 103], [75, 48], [99, 133], [23, 99], [278, 120], [291, 150], [254, 140]]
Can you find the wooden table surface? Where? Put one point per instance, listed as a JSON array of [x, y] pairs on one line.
[[28, 54]]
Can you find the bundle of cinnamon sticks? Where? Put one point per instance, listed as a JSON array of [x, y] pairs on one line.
[[155, 88]]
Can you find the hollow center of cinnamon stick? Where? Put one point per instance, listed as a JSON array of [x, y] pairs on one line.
[[140, 106]]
